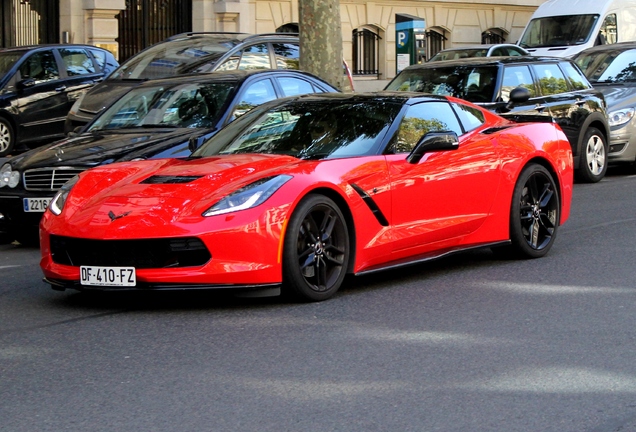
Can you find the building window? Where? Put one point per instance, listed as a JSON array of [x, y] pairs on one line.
[[366, 48], [493, 36], [435, 41], [288, 28]]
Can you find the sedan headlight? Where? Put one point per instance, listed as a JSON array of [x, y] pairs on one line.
[[58, 201], [249, 196], [9, 177], [619, 117]]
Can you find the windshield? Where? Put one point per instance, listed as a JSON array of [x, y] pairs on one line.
[[192, 105], [176, 57], [7, 60], [307, 130], [609, 66], [474, 84], [558, 31]]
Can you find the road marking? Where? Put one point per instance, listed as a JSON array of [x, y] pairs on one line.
[[9, 266]]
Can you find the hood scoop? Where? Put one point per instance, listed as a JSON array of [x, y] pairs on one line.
[[167, 179]]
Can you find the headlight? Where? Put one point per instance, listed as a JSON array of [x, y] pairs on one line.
[[58, 201], [78, 102], [249, 196], [8, 177], [617, 118]]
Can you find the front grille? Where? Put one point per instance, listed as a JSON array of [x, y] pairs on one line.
[[141, 254], [49, 179]]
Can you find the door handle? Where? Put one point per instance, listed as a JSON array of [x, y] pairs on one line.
[[61, 88], [539, 108], [579, 102]]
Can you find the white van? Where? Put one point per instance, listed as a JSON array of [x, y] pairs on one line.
[[562, 28]]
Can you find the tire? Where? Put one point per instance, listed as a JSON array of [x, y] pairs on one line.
[[7, 137], [535, 213], [593, 157], [316, 250]]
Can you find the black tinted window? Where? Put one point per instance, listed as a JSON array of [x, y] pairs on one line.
[[77, 61], [40, 66], [287, 55], [255, 57], [516, 76], [470, 117], [578, 81], [421, 119], [551, 79]]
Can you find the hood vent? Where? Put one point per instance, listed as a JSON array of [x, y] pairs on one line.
[[159, 179]]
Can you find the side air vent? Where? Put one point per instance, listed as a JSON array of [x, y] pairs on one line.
[[158, 179], [494, 130]]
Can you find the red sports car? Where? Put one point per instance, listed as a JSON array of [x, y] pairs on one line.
[[299, 192]]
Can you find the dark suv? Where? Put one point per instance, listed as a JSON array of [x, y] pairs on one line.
[[191, 53], [525, 88], [39, 84]]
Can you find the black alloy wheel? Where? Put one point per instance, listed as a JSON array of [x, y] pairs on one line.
[[316, 251], [535, 213]]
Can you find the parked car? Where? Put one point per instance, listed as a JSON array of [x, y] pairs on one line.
[[301, 191], [525, 88], [157, 119], [612, 70], [38, 86], [484, 50], [191, 53]]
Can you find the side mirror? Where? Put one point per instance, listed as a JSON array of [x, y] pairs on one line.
[[194, 142], [25, 83], [518, 95], [75, 131], [433, 141]]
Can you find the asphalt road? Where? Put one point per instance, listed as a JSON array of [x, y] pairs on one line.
[[468, 343]]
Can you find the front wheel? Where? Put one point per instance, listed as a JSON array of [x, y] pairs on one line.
[[7, 137], [535, 213], [316, 250], [593, 157]]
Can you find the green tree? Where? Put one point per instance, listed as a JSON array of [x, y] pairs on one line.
[[321, 40]]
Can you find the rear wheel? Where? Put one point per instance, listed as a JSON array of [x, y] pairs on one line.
[[316, 251], [535, 213], [593, 158], [7, 137]]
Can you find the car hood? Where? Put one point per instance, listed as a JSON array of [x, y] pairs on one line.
[[618, 96], [92, 148], [103, 94], [163, 192]]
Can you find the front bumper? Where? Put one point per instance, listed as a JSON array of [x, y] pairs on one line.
[[15, 218], [622, 145]]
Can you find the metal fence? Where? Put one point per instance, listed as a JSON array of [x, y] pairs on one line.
[[365, 52], [145, 22], [29, 22]]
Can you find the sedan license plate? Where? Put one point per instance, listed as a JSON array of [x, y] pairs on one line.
[[108, 276], [35, 205]]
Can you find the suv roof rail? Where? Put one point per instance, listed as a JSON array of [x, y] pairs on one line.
[[202, 33]]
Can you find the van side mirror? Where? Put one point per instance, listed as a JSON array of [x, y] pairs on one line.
[[431, 142]]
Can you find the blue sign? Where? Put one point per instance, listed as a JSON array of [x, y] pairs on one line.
[[402, 38]]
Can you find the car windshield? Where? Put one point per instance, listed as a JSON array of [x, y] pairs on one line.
[[457, 54], [613, 66], [177, 57], [192, 105], [558, 31], [7, 60], [474, 84], [307, 130]]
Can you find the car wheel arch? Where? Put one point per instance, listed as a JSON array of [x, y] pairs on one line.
[[341, 202], [595, 120], [548, 166]]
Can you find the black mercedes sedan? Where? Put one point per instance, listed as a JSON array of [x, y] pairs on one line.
[[38, 86], [526, 88], [159, 119]]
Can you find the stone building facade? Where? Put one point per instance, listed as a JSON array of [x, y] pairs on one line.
[[368, 26]]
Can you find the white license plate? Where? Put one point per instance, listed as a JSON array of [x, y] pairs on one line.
[[108, 276], [35, 205]]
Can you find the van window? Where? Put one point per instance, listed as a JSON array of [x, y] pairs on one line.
[[608, 31], [559, 30]]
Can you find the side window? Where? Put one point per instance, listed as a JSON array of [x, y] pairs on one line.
[[229, 64], [77, 61], [578, 81], [421, 119], [513, 52], [255, 94], [470, 117], [295, 86], [516, 76], [287, 55], [608, 31], [41, 66], [255, 57], [100, 58], [551, 79]]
